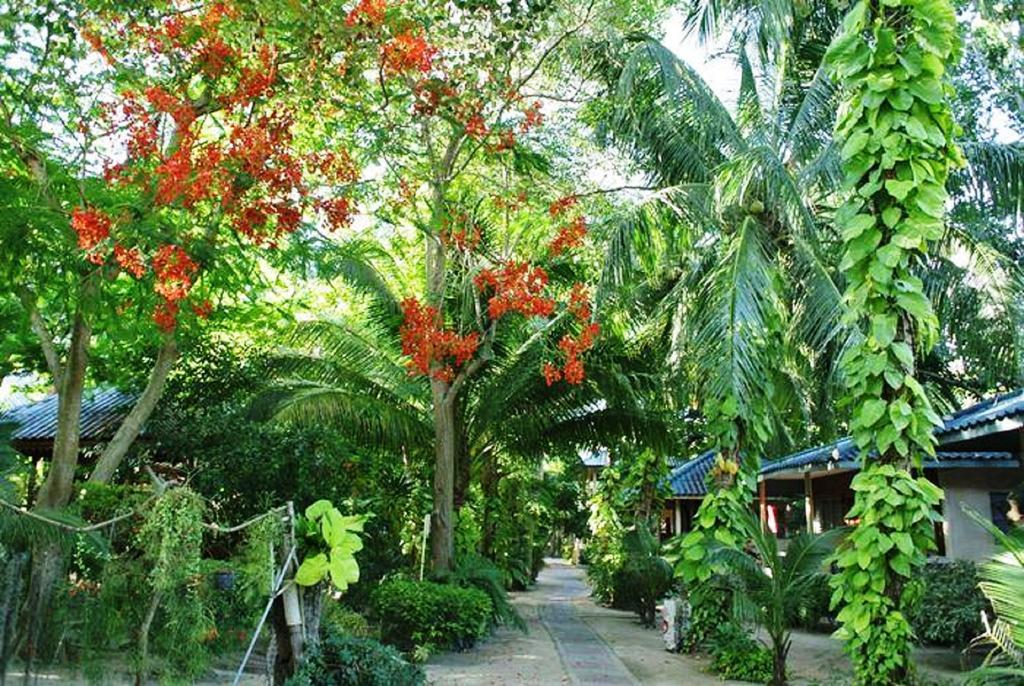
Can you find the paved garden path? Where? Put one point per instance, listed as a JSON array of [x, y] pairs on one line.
[[571, 641], [585, 655]]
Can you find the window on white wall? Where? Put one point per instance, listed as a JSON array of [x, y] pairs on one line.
[[1000, 502]]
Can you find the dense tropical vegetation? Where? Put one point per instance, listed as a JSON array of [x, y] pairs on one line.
[[373, 275]]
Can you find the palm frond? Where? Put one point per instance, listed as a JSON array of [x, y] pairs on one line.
[[993, 178], [738, 306]]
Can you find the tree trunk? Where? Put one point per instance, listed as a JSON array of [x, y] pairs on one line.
[[442, 534], [463, 466], [489, 488], [144, 406], [143, 643], [285, 662], [47, 566], [313, 610], [779, 653], [58, 485]]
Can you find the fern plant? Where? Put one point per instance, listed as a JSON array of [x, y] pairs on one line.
[[475, 571]]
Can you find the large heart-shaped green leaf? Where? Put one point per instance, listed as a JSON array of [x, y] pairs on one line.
[[344, 570], [312, 570], [346, 543], [318, 508]]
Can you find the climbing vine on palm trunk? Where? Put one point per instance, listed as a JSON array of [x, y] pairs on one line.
[[895, 130], [721, 515]]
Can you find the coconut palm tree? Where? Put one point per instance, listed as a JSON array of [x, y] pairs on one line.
[[769, 587], [737, 235]]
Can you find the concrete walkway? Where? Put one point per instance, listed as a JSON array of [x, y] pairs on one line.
[[571, 640], [574, 641]]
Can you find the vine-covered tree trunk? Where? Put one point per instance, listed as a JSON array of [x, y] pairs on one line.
[[47, 557], [463, 460], [896, 132]]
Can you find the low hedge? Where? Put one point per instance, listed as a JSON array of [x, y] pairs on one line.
[[424, 613], [339, 660]]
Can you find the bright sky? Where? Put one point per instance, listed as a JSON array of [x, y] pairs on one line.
[[719, 71]]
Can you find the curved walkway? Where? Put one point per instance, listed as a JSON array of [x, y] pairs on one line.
[[585, 655]]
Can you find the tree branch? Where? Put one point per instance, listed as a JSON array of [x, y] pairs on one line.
[[42, 331], [129, 430]]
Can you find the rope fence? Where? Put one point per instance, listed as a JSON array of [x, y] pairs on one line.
[[278, 586], [211, 526]]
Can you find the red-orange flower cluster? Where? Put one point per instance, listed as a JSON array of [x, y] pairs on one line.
[[407, 52], [513, 204], [433, 350], [475, 127], [130, 260], [337, 212], [579, 303], [462, 232], [517, 287], [174, 271], [562, 204], [367, 13], [573, 348], [91, 225], [532, 118], [569, 236], [506, 141]]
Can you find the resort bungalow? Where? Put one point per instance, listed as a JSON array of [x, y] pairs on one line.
[[978, 465], [32, 427]]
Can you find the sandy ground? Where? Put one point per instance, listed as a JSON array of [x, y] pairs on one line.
[[509, 656]]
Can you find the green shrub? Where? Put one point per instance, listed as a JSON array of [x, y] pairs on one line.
[[735, 655], [645, 577], [948, 612], [349, 661], [339, 619], [416, 613], [710, 611]]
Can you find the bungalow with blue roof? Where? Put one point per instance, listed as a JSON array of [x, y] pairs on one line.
[[978, 464]]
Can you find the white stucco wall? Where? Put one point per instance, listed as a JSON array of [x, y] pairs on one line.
[[965, 540]]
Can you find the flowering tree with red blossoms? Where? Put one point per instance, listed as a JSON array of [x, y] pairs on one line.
[[152, 155], [439, 96], [200, 165]]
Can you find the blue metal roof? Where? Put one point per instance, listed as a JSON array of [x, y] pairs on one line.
[[844, 455], [687, 480], [595, 457], [102, 412], [988, 411]]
